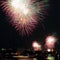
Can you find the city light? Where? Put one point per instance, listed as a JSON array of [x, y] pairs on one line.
[[49, 50], [50, 57]]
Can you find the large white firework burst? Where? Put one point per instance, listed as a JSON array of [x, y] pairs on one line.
[[25, 14]]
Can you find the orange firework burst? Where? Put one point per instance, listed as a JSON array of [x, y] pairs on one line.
[[24, 13]]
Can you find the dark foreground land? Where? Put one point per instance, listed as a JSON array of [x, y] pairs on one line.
[[28, 55]]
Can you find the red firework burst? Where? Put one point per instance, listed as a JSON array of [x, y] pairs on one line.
[[24, 13]]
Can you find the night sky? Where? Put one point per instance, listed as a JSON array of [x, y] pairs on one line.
[[10, 38]]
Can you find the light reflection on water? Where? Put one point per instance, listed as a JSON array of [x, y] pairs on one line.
[[28, 59]]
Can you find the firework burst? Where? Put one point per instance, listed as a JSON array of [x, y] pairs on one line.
[[25, 14]]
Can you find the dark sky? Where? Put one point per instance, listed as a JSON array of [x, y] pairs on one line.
[[9, 37]]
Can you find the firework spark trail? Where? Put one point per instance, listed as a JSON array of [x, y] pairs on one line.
[[25, 14]]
